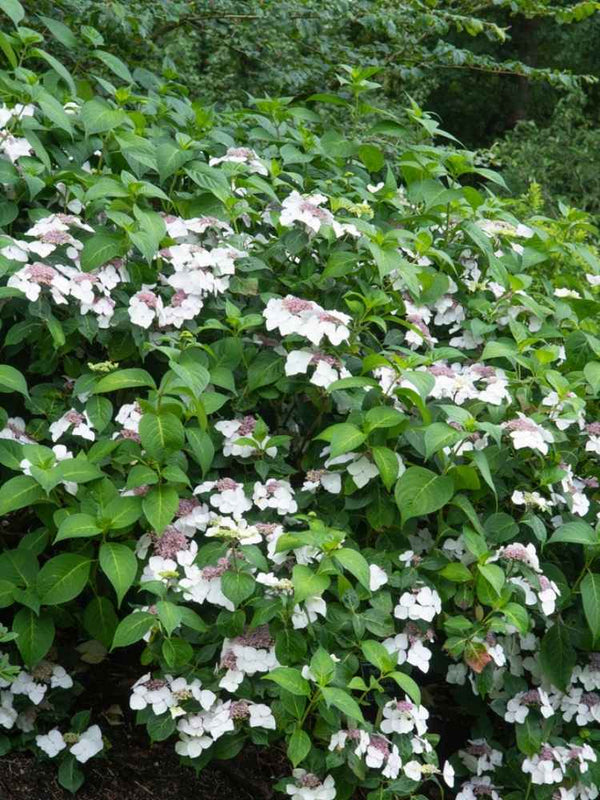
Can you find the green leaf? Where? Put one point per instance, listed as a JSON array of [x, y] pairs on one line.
[[98, 117], [322, 667], [237, 586], [408, 685], [133, 628], [383, 417], [160, 506], [494, 575], [76, 470], [307, 583], [456, 572], [590, 596], [100, 620], [517, 616], [202, 447], [11, 454], [61, 32], [355, 563], [266, 369], [119, 564], [592, 375], [124, 379], [210, 179], [557, 656], [420, 491], [61, 70], [115, 65], [161, 434], [35, 635], [152, 229], [289, 679], [529, 735], [77, 526], [63, 578], [161, 727], [70, 776], [342, 701], [480, 460], [343, 438], [100, 412], [13, 9], [19, 566], [55, 112], [170, 615], [376, 654], [11, 380], [575, 533], [122, 512], [372, 157], [7, 590], [192, 620], [192, 376], [20, 492], [177, 653], [298, 747], [387, 464], [170, 158], [439, 435], [101, 248]]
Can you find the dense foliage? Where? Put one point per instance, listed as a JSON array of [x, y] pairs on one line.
[[484, 67], [307, 425]]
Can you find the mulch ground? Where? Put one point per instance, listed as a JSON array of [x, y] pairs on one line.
[[134, 770]]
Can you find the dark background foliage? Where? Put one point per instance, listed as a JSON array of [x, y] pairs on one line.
[[501, 74]]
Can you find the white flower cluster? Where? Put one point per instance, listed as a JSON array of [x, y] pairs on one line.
[[82, 745], [293, 315], [34, 686]]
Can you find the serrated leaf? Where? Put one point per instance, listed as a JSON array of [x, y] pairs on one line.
[[298, 747], [119, 564], [76, 470], [289, 679], [343, 701], [77, 526], [11, 380], [133, 628], [101, 248], [160, 506], [115, 65], [161, 434], [100, 620], [97, 117], [387, 464], [20, 492], [557, 656], [355, 563], [420, 491], [169, 615], [307, 583], [575, 533], [124, 379], [408, 685], [63, 578], [342, 438], [237, 586], [35, 635]]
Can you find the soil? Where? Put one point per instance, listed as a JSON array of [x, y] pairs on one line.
[[134, 770]]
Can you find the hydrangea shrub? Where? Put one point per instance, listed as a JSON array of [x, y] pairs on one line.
[[307, 425]]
